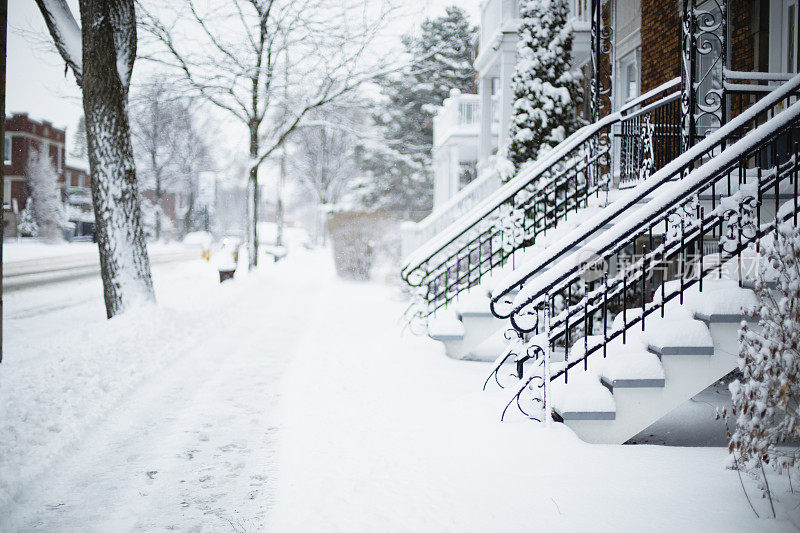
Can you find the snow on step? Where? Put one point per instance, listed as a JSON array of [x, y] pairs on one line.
[[583, 397], [625, 365], [635, 367], [679, 337], [720, 301], [445, 327], [489, 349], [475, 302], [677, 333]]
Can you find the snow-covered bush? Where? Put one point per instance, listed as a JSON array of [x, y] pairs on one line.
[[766, 400], [45, 200], [27, 223], [358, 240], [546, 92]]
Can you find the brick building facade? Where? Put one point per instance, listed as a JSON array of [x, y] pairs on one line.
[[23, 135]]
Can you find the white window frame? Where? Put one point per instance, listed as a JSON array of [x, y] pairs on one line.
[[631, 58], [8, 146], [789, 37], [7, 193]]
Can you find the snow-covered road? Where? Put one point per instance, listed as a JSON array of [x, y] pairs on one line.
[[162, 419]]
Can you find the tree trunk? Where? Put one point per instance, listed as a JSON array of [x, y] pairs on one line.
[[109, 26], [189, 215], [159, 203], [279, 200], [252, 200]]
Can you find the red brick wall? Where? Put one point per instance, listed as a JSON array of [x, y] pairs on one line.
[[20, 122], [661, 42], [27, 135], [19, 190], [741, 32]]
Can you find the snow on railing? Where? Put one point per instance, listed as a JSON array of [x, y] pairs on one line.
[[533, 273], [735, 223], [505, 192], [674, 83], [762, 81]]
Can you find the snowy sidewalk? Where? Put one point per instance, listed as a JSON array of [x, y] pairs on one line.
[[163, 418], [287, 400], [383, 433]]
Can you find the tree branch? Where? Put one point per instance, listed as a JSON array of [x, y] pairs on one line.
[[66, 34]]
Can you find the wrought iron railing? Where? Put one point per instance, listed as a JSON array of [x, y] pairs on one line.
[[758, 176], [649, 136], [530, 205], [510, 219], [503, 303]]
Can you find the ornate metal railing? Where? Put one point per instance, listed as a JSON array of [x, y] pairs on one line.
[[511, 218], [503, 303], [530, 205], [666, 240], [760, 175], [649, 136]]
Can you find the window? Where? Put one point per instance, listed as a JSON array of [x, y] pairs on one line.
[[629, 77], [7, 193], [7, 151], [791, 61]]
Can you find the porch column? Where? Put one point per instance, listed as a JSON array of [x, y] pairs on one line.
[[485, 133], [508, 60]]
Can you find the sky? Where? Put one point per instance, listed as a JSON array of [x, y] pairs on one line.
[[35, 73]]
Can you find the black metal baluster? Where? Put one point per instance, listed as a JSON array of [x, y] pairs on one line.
[[644, 280], [682, 256], [663, 273], [605, 313], [702, 246], [759, 199], [777, 185], [794, 179], [624, 306], [586, 333]]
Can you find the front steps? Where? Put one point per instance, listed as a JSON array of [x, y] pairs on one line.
[[655, 371], [471, 333]]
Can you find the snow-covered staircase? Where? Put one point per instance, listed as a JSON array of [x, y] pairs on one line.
[[662, 325], [655, 370], [471, 332]]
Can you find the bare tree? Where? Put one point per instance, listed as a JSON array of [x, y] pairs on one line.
[[100, 53], [169, 149], [153, 125], [232, 55], [191, 145]]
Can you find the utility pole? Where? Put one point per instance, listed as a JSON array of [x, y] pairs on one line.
[[3, 35]]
